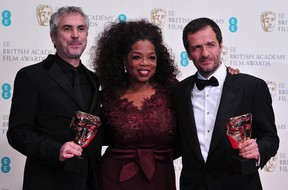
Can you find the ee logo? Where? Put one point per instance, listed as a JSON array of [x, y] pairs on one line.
[[6, 91], [122, 18], [233, 24], [184, 61], [6, 18], [5, 164]]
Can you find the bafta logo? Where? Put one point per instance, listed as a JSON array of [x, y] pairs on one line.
[[271, 164], [224, 54], [43, 13], [158, 17], [268, 20], [272, 88]]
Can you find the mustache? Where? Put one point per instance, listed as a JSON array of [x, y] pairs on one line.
[[74, 42], [206, 58]]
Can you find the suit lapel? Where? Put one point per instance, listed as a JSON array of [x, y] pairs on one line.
[[230, 99], [57, 74], [190, 126]]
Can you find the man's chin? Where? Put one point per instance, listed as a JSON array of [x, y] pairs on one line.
[[75, 55]]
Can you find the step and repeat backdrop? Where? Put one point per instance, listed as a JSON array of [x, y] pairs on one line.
[[255, 41]]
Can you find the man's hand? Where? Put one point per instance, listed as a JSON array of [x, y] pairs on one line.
[[233, 71], [249, 149], [69, 150]]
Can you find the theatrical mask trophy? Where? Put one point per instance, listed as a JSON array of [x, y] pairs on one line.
[[84, 127], [239, 129]]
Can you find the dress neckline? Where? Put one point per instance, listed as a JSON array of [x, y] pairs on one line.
[[146, 101]]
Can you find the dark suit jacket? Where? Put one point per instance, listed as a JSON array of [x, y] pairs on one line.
[[42, 107], [241, 94]]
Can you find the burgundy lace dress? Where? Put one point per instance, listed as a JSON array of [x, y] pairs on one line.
[[139, 155]]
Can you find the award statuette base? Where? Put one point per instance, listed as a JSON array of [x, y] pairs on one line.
[[77, 164], [239, 129], [244, 166]]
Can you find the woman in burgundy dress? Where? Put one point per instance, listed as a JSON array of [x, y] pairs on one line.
[[136, 73]]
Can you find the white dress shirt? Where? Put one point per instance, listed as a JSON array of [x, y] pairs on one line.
[[205, 105]]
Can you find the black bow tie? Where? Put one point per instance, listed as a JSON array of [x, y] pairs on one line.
[[202, 83]]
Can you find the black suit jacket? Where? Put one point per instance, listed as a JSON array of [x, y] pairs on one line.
[[241, 94], [42, 107]]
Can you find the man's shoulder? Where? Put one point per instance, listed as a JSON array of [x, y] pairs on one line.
[[45, 62], [246, 79], [185, 81], [245, 76], [183, 86], [37, 69]]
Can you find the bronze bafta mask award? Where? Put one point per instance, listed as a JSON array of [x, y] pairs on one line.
[[239, 129], [84, 127]]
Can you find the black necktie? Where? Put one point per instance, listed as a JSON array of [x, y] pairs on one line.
[[202, 83], [77, 87]]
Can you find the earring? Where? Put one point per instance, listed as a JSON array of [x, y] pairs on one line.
[[125, 70]]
